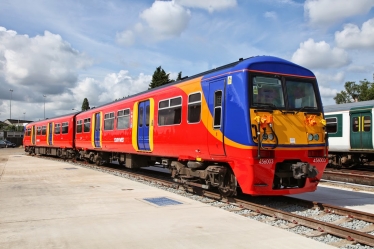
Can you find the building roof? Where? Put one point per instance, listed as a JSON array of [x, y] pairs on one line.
[[16, 121], [347, 106]]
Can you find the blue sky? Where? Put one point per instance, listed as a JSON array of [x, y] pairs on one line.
[[103, 50]]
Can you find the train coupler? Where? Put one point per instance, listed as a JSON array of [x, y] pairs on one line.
[[303, 170]]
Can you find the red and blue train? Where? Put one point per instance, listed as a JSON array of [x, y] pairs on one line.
[[256, 124]]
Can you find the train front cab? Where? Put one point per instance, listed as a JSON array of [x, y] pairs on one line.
[[288, 128]]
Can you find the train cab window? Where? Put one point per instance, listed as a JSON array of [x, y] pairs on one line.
[[267, 91], [38, 130], [44, 130], [57, 128], [170, 111], [109, 121], [300, 94], [87, 124], [194, 108], [123, 119], [79, 126], [65, 127], [331, 125], [217, 109]]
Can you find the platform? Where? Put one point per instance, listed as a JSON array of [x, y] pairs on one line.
[[50, 204]]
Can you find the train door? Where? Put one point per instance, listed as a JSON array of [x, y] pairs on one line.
[[33, 135], [50, 133], [361, 130], [143, 125], [216, 103], [97, 130]]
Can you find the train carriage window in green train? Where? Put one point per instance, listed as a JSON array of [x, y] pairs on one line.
[[79, 126], [123, 119], [355, 124], [194, 108], [87, 124], [170, 111], [109, 121], [57, 128], [65, 127], [217, 109], [331, 125], [367, 123]]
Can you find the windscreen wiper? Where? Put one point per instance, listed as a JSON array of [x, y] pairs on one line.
[[268, 105], [306, 107]]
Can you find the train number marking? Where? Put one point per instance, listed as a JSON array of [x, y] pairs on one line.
[[319, 160], [119, 139], [266, 161]]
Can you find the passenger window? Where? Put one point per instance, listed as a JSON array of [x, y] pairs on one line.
[[123, 119], [194, 108], [355, 124], [331, 125], [87, 124], [367, 123], [170, 111], [79, 126], [44, 129], [65, 127], [109, 121], [217, 109], [57, 128]]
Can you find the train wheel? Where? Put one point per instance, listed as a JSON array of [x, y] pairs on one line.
[[229, 184]]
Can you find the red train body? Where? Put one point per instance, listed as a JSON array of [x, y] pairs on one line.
[[211, 130]]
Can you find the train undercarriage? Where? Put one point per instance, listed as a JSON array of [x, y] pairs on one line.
[[350, 159]]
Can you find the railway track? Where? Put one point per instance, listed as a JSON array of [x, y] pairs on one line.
[[333, 225], [349, 176]]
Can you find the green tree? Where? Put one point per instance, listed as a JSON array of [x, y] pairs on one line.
[[85, 105], [159, 78], [355, 92], [179, 76]]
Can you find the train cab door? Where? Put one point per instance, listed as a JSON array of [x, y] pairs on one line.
[[97, 130], [361, 130], [143, 130], [50, 133], [33, 135], [216, 103]]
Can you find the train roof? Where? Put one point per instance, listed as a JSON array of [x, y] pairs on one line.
[[256, 63], [348, 106]]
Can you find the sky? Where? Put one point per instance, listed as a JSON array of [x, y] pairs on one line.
[[53, 54]]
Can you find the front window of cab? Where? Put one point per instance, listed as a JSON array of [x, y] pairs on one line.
[[300, 94], [283, 93], [267, 91]]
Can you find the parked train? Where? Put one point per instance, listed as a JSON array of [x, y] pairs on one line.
[[255, 123], [350, 132]]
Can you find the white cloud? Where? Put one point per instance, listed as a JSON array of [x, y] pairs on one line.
[[353, 37], [330, 79], [327, 12], [320, 55], [271, 15], [210, 5], [46, 62], [163, 20]]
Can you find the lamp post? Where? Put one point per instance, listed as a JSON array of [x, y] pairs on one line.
[[44, 104], [11, 91]]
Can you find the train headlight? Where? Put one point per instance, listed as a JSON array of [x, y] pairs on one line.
[[271, 136], [265, 136], [310, 137], [316, 137]]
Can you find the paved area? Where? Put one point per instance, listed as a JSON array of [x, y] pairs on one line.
[[48, 204], [348, 196]]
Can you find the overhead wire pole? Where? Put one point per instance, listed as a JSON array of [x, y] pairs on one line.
[[11, 91], [44, 104]]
